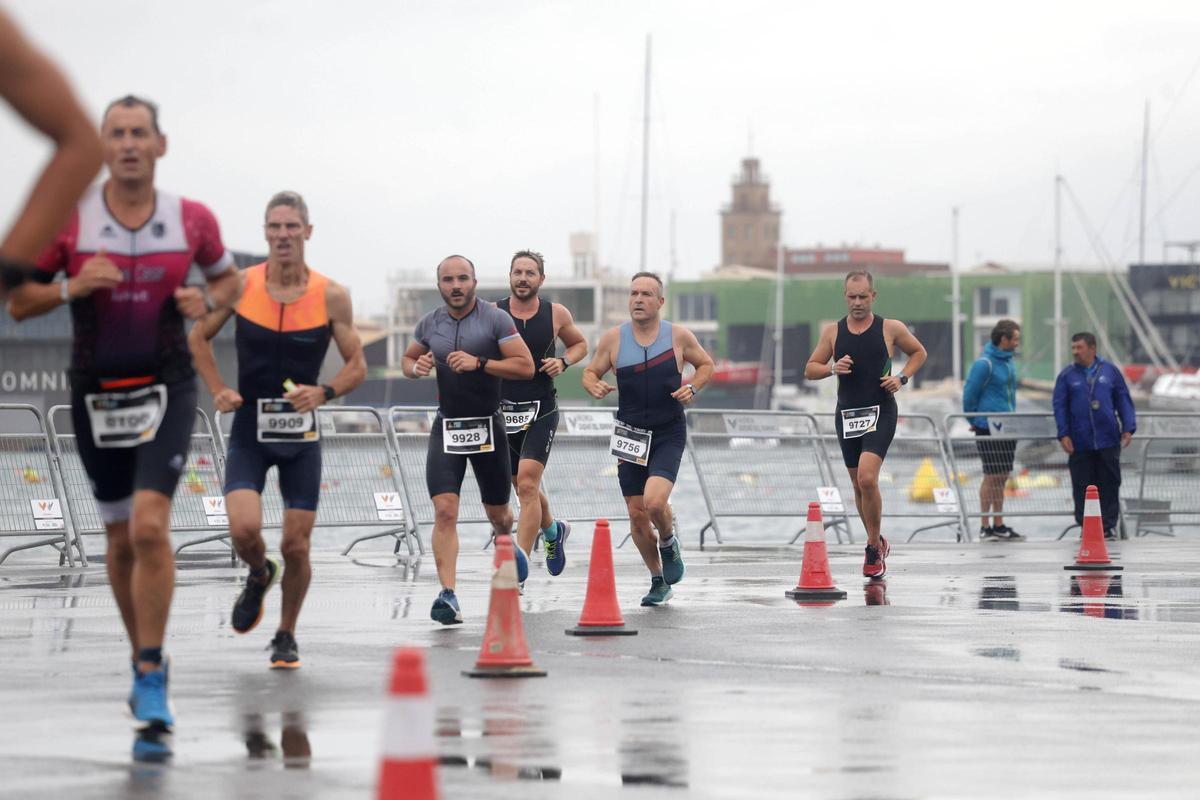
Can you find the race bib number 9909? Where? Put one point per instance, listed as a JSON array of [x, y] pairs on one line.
[[630, 444], [858, 422], [278, 421], [467, 435], [126, 419], [519, 416]]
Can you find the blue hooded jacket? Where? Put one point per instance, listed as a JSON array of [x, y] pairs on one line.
[[991, 384], [1093, 409]]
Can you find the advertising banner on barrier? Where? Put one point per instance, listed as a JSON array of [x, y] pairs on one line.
[[214, 511], [589, 423], [47, 514], [830, 498], [388, 506]]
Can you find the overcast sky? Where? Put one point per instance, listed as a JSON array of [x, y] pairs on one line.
[[416, 129]]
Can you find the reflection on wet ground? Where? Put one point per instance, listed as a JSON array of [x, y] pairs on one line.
[[730, 691]]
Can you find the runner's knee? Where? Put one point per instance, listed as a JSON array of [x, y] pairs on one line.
[[295, 548]]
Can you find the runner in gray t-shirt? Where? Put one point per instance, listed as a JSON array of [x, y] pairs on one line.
[[474, 345]]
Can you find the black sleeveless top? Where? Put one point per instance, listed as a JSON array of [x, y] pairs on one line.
[[871, 362], [538, 333]]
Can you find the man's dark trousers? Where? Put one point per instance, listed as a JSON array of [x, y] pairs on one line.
[[1103, 469]]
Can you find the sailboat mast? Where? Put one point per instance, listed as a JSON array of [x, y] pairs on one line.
[[777, 368], [1145, 159], [1058, 317], [645, 157]]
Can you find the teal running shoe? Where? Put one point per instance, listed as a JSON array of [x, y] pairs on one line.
[[672, 562], [659, 592]]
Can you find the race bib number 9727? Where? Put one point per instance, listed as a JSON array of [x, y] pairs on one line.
[[858, 422], [467, 435]]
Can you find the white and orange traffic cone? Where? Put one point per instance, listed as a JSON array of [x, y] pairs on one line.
[[1093, 553], [816, 582], [504, 652], [601, 611], [408, 766]]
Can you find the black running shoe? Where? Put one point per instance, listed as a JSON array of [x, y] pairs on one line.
[[1007, 534], [988, 534], [248, 608], [285, 653]]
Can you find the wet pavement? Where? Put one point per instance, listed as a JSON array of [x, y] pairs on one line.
[[976, 671]]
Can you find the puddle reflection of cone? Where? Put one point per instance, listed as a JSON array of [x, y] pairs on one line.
[[408, 766], [1093, 586], [1093, 553], [816, 582], [504, 653], [601, 612]]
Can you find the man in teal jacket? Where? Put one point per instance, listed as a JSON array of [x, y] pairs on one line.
[[992, 386]]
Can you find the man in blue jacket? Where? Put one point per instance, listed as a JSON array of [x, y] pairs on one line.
[[992, 386], [1095, 419]]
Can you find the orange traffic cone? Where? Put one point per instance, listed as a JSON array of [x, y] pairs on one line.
[[1093, 553], [504, 653], [408, 767], [815, 581], [601, 613]]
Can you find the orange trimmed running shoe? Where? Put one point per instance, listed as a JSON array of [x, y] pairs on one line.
[[875, 565]]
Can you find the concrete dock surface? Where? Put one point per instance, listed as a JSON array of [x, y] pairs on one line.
[[972, 671]]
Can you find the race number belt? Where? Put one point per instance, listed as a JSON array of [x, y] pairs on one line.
[[858, 422], [279, 421], [630, 444], [126, 419], [519, 416], [467, 435]]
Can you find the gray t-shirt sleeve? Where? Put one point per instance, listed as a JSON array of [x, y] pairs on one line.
[[503, 327], [421, 334]]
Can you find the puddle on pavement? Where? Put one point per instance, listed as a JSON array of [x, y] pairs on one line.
[[1098, 596], [293, 748]]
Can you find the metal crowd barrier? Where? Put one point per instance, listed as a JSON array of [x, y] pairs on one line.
[[914, 479], [31, 495], [1167, 451], [759, 464], [192, 506], [360, 487]]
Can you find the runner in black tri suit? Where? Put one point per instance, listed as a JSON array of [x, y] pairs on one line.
[[37, 91], [530, 407], [648, 353], [474, 345], [126, 254], [286, 316], [860, 347]]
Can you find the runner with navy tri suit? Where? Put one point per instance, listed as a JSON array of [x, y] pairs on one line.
[[531, 407], [126, 254], [285, 319], [648, 355], [860, 346], [474, 346]]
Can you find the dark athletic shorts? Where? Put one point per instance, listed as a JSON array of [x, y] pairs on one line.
[[997, 455], [117, 472], [299, 465], [666, 452], [877, 441], [444, 472], [534, 442]]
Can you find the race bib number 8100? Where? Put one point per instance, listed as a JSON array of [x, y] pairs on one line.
[[630, 444], [467, 435], [858, 422], [126, 419], [278, 421]]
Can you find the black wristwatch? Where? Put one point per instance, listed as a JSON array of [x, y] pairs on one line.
[[904, 380], [329, 392], [565, 363], [482, 362]]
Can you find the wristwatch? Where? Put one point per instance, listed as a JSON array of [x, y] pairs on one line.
[[904, 380], [64, 290], [565, 363], [482, 362], [695, 391], [330, 393]]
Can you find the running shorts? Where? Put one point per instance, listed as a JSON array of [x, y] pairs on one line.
[[298, 464], [534, 442], [876, 441], [444, 472], [666, 453]]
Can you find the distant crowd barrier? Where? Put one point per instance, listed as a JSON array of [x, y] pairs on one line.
[[761, 465]]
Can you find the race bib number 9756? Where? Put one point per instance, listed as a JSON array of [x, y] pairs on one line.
[[278, 421], [630, 444], [126, 419], [467, 435], [858, 422]]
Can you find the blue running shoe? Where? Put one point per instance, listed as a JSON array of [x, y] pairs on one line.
[[522, 563], [166, 671], [150, 705], [445, 609], [556, 554], [659, 592], [672, 562]]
